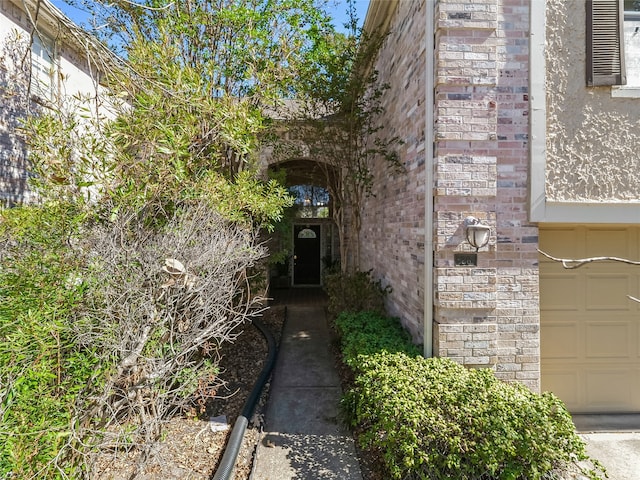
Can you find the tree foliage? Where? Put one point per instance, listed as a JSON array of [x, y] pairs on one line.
[[341, 105], [42, 372], [155, 186], [193, 95]]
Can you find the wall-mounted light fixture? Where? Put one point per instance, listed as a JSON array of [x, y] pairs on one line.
[[477, 233]]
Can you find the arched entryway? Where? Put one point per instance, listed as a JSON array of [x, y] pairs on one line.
[[305, 245]]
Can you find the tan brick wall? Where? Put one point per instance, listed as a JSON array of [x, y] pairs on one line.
[[482, 170], [486, 315], [392, 235]]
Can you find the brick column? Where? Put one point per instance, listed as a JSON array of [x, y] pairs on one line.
[[485, 316]]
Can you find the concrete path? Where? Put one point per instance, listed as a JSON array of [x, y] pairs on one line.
[[304, 438], [614, 440]]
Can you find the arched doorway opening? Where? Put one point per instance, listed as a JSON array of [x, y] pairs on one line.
[[305, 246]]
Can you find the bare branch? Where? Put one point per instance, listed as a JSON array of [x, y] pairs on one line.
[[147, 7], [570, 263]]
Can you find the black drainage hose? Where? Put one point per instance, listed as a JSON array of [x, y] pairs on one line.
[[237, 434]]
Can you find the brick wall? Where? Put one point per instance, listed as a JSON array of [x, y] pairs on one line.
[[392, 235], [487, 315]]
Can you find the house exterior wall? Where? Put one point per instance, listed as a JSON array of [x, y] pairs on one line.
[[487, 315], [592, 141], [13, 163], [392, 235], [75, 76]]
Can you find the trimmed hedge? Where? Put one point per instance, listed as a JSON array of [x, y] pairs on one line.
[[366, 333], [435, 419]]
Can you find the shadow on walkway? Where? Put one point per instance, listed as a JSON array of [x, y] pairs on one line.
[[304, 438]]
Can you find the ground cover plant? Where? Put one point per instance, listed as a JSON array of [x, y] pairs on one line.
[[367, 333], [435, 419], [354, 292]]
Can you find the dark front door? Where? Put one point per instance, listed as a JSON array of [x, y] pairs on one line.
[[306, 256]]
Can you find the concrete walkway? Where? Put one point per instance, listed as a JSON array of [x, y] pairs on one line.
[[614, 440], [304, 438]]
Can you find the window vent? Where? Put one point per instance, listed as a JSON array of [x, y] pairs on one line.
[[605, 46]]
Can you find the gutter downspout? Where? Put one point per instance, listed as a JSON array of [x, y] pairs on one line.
[[429, 177]]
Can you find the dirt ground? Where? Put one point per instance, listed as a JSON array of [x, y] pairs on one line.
[[189, 449]]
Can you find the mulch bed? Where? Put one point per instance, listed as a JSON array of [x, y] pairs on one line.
[[190, 450]]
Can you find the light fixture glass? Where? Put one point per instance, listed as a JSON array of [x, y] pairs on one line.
[[477, 233]]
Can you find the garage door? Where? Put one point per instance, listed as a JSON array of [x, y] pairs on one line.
[[590, 333]]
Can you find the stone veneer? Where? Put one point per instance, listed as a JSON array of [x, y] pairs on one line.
[[485, 316]]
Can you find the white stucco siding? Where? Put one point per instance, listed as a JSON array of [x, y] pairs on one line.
[[10, 17], [76, 75], [77, 78], [592, 138]]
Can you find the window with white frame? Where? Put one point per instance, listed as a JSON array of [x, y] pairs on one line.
[[43, 65], [632, 42]]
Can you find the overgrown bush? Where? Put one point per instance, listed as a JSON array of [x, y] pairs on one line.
[[355, 293], [110, 326], [168, 297], [435, 419], [43, 372]]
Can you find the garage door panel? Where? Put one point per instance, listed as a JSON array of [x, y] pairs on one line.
[[608, 340], [609, 390], [607, 243], [564, 384], [607, 292], [559, 291], [560, 340], [563, 244], [590, 332]]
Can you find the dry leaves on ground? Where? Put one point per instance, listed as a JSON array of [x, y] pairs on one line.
[[189, 449]]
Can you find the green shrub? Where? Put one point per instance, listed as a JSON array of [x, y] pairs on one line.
[[366, 333], [42, 370], [434, 419], [354, 293]]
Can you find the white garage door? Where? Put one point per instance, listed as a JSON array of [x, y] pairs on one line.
[[590, 332]]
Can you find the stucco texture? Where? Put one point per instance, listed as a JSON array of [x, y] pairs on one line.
[[593, 140]]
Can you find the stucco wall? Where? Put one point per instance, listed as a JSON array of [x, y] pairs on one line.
[[592, 138], [392, 236]]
